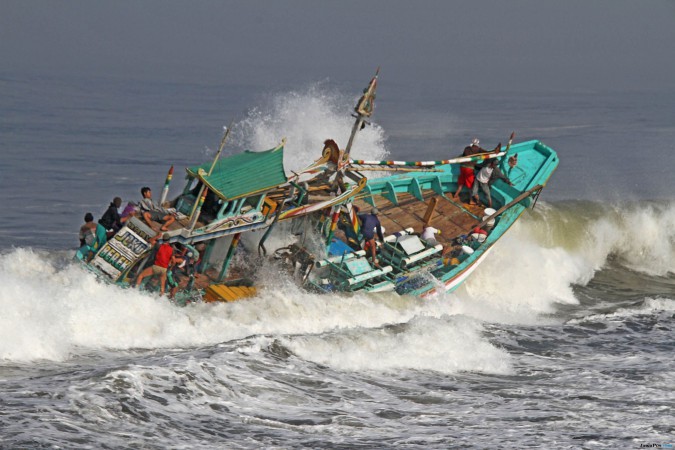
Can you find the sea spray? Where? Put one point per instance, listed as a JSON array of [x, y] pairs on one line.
[[306, 118], [53, 308], [51, 312]]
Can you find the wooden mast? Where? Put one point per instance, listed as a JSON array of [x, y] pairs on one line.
[[199, 201]]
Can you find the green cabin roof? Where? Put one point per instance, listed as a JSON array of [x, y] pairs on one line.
[[243, 174]]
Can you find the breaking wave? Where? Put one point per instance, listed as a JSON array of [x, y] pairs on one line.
[[53, 309], [557, 246]]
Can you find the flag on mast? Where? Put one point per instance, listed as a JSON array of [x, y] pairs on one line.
[[366, 103]]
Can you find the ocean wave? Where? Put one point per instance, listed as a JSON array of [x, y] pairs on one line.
[[647, 307], [449, 344], [640, 235], [53, 309]]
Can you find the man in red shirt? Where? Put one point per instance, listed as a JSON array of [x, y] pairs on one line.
[[466, 170], [163, 259]]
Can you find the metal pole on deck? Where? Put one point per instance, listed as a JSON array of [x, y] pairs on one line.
[[207, 256], [220, 149], [357, 126]]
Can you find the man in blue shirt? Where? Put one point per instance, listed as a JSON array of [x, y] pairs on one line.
[[370, 224]]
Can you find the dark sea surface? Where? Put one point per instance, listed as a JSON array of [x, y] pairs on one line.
[[563, 338]]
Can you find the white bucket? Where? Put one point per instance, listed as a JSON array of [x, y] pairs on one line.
[[489, 223], [489, 211], [466, 249]]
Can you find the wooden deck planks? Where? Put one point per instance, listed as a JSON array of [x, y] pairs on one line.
[[451, 216]]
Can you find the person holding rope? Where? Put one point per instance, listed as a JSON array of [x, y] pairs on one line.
[[486, 176]]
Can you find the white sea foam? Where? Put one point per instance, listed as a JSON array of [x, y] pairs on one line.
[[649, 306], [50, 312], [53, 312], [446, 344], [535, 265], [51, 309], [646, 238], [306, 119], [641, 235]]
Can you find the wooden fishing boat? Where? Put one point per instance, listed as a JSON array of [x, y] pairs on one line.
[[410, 201], [221, 200], [243, 193], [419, 197]]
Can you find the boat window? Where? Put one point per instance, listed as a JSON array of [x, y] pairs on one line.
[[226, 209], [252, 202], [186, 200]]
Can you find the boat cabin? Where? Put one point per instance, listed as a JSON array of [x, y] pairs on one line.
[[231, 192]]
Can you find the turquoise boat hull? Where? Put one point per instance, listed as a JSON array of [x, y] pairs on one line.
[[536, 164]]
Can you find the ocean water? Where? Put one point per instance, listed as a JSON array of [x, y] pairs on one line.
[[561, 339]]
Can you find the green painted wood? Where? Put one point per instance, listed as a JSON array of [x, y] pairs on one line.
[[243, 174]]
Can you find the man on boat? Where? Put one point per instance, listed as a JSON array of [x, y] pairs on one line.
[[152, 212], [163, 258], [486, 176], [466, 170], [370, 224], [111, 219], [429, 235], [92, 237]]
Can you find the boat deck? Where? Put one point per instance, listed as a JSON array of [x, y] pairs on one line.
[[177, 225], [453, 217]]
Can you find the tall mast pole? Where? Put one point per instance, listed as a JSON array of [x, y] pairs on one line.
[[220, 149], [199, 200]]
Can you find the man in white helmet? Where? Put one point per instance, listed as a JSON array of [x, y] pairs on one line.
[[466, 170]]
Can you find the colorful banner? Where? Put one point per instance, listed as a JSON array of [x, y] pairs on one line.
[[123, 249], [461, 159]]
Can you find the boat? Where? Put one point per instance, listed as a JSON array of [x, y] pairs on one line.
[[408, 202], [229, 197]]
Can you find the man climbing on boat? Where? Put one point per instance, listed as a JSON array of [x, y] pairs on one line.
[[153, 213], [466, 170], [92, 237], [163, 258]]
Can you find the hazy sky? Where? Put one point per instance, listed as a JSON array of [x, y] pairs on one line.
[[569, 44]]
